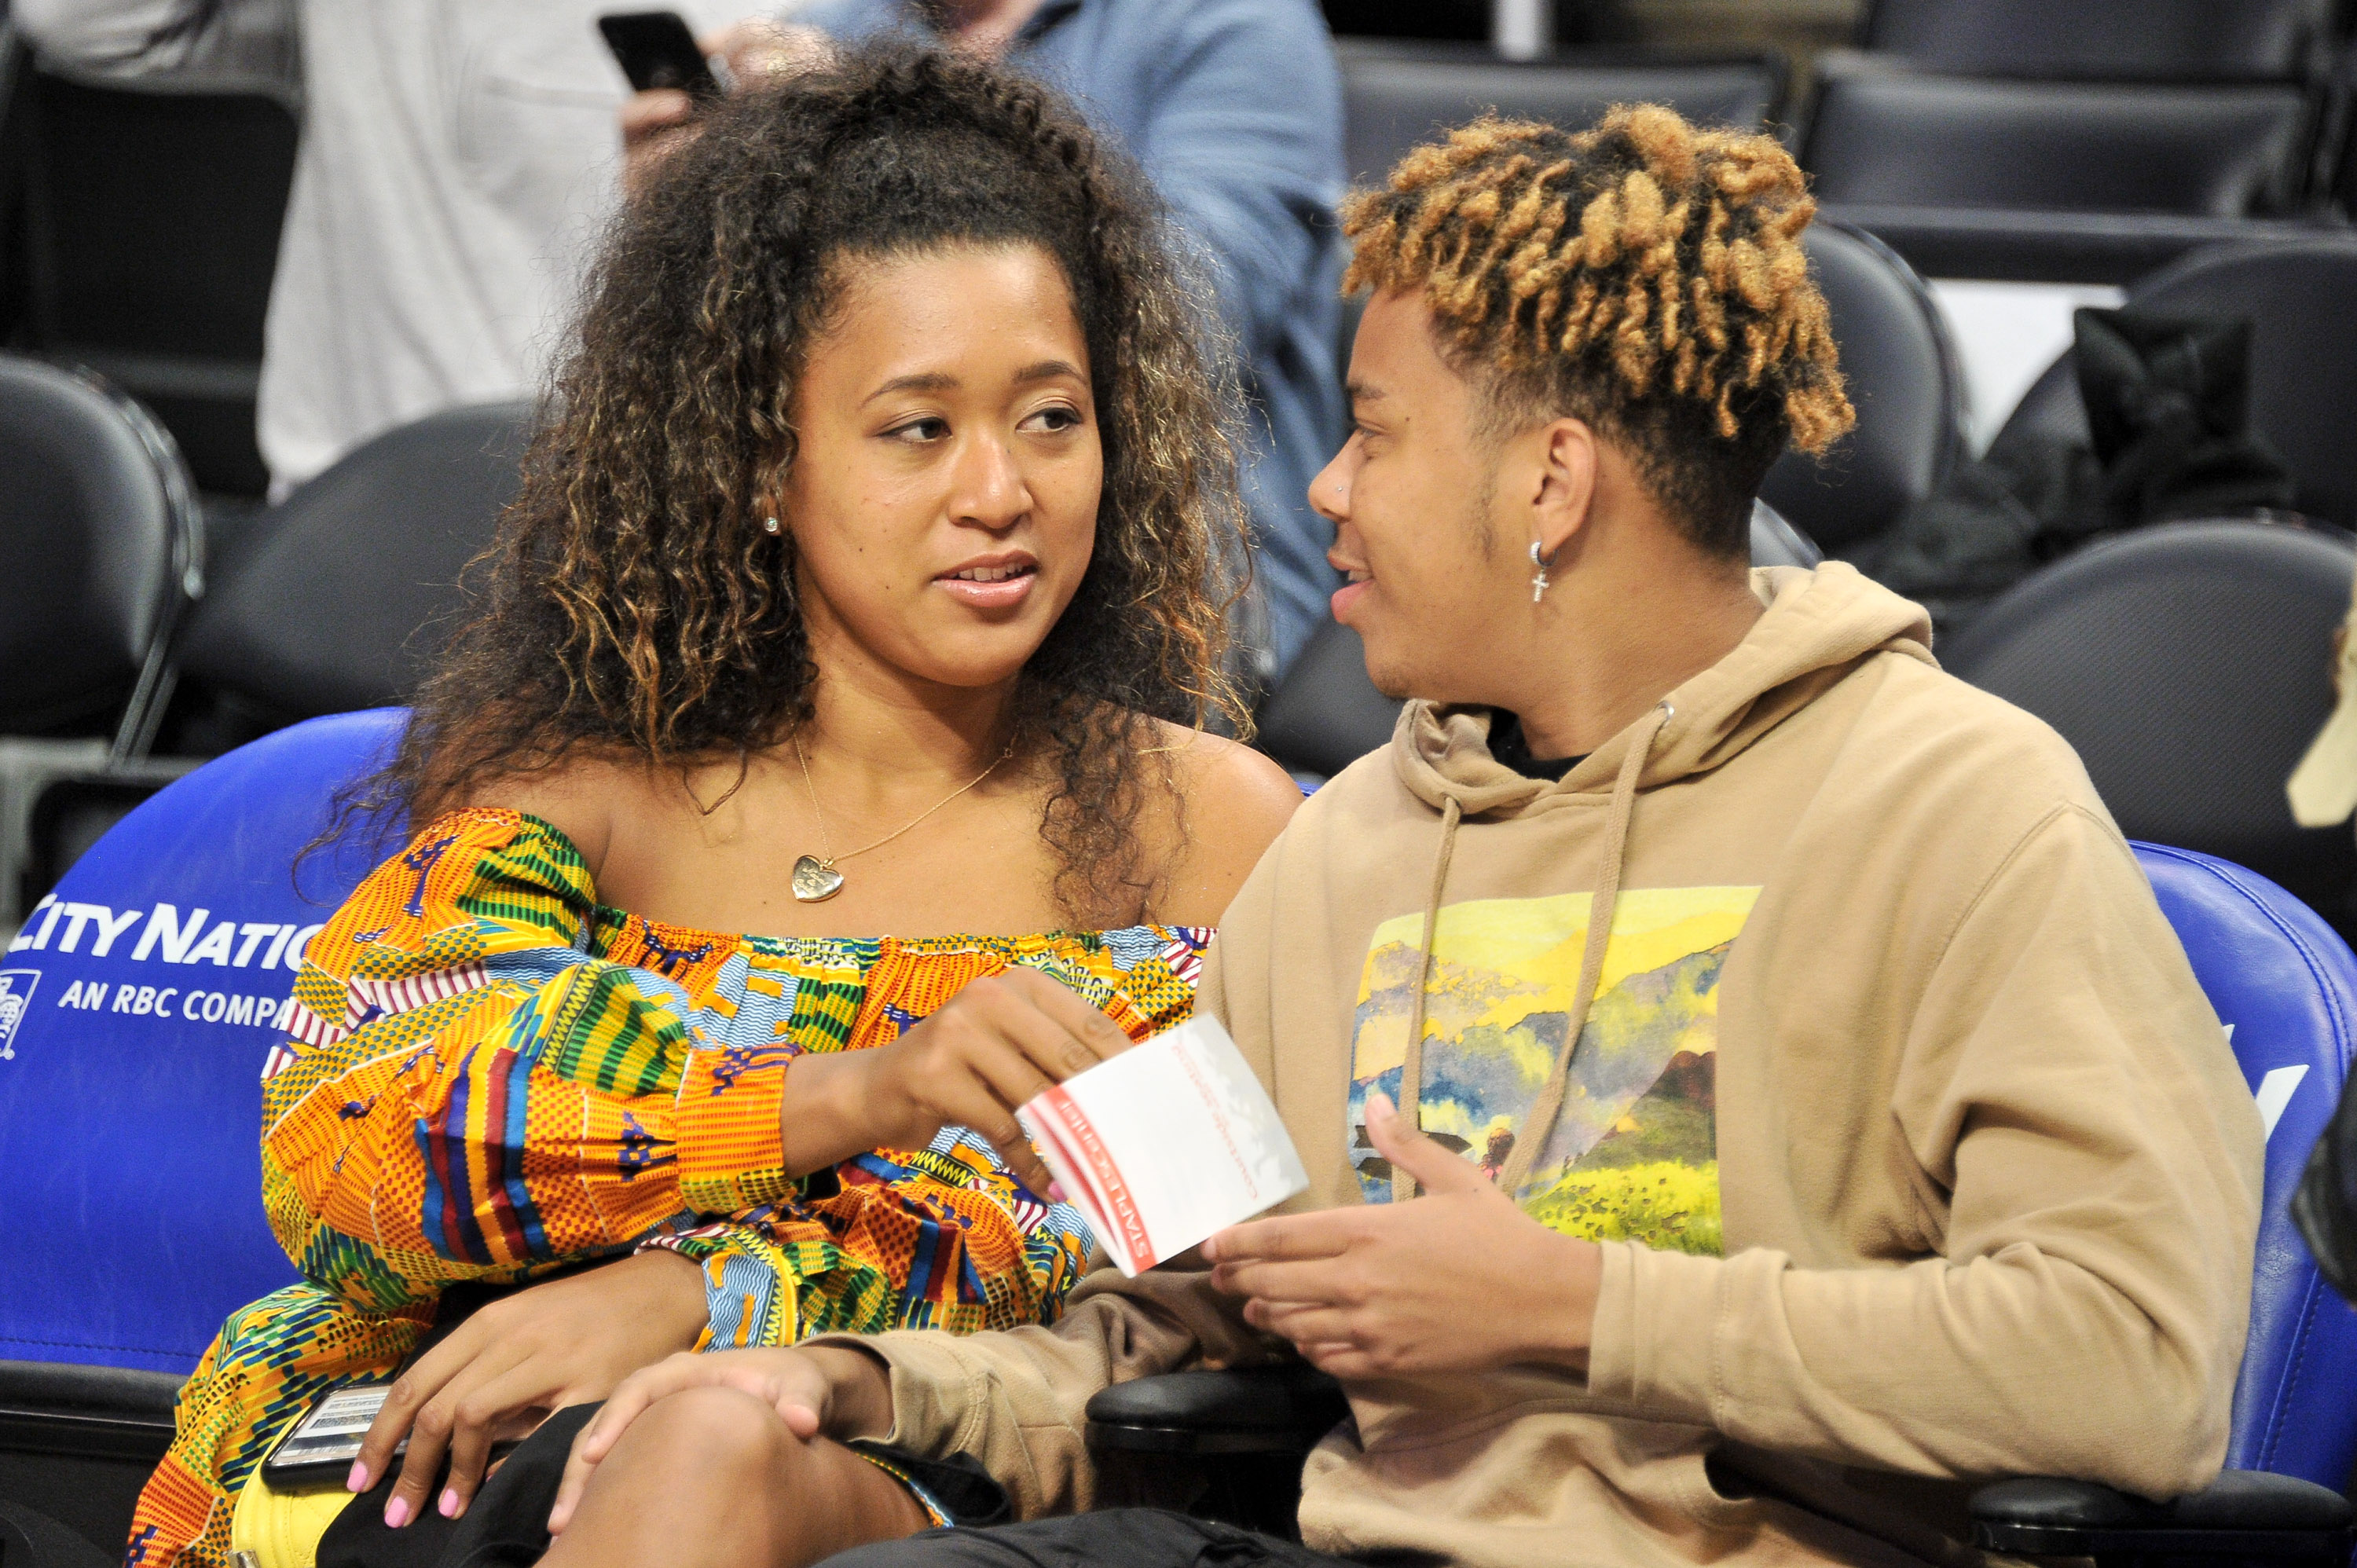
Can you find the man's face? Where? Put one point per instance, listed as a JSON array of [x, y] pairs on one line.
[[1410, 495]]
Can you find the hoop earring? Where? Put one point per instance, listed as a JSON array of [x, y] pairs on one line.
[[1539, 584]]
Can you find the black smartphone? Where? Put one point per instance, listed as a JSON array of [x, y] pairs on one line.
[[321, 1446], [656, 50]]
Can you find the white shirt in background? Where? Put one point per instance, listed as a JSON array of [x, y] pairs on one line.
[[458, 161]]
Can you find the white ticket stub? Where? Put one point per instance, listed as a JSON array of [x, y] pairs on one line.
[[1165, 1143]]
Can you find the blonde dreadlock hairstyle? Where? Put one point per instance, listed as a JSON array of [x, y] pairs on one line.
[[1643, 276]]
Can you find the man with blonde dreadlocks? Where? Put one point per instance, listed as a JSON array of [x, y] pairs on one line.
[[1850, 1129]]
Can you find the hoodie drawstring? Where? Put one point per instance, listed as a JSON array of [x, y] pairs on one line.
[[1540, 1125], [1411, 1067]]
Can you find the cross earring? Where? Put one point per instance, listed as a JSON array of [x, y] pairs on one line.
[[1539, 584]]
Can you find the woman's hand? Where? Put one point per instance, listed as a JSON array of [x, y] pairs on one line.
[[517, 1361], [990, 1048], [814, 1388], [1459, 1280]]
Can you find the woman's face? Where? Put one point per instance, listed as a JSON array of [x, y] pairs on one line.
[[943, 497]]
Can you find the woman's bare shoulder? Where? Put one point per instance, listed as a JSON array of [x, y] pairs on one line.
[[583, 797], [1214, 771], [1234, 802]]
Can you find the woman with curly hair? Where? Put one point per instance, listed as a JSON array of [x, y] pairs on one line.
[[863, 594]]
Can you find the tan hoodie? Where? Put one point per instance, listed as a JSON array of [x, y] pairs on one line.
[[1946, 1169]]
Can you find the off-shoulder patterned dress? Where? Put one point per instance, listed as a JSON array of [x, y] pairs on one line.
[[490, 1075]]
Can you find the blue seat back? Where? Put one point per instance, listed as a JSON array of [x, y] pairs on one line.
[[2285, 988], [139, 1008]]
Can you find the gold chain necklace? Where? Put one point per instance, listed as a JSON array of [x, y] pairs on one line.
[[816, 880]]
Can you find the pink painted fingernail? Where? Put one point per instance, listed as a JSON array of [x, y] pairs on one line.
[[396, 1513], [1056, 1193], [449, 1503], [357, 1480]]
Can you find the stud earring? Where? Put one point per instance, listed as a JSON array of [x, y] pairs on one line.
[[770, 525], [1539, 584]]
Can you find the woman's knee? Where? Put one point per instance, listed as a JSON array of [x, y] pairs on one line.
[[710, 1430]]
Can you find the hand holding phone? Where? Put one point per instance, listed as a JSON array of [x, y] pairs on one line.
[[321, 1446], [657, 50]]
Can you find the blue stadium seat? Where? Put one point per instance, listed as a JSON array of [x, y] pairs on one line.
[[2284, 987], [136, 1014]]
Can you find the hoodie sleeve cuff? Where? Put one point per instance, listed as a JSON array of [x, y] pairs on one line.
[[936, 1396], [1656, 1341]]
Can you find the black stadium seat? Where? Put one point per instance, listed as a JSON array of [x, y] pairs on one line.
[[1905, 381], [2084, 141], [2027, 245], [345, 594], [337, 600], [144, 244], [2147, 40], [101, 551], [101, 554], [1900, 139], [2298, 294], [1396, 95], [2060, 181], [2188, 665], [1466, 21]]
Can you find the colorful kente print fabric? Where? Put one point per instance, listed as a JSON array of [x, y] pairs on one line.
[[1634, 1155], [490, 1075]]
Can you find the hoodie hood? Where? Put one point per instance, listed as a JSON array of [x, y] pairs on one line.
[[1818, 625], [1816, 628]]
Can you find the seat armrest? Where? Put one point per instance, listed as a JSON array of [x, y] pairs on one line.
[[1266, 1410], [2242, 1513], [103, 1412]]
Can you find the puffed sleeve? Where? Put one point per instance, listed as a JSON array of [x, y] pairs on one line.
[[468, 1091]]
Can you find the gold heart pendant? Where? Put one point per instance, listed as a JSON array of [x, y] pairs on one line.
[[815, 882]]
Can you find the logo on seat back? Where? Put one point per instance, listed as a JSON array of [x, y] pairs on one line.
[[16, 1000]]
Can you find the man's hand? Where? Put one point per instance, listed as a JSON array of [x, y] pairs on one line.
[[1459, 1280], [990, 1049], [653, 122], [814, 1388], [519, 1360]]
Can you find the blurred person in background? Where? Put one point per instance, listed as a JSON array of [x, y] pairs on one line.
[[1234, 108], [457, 157]]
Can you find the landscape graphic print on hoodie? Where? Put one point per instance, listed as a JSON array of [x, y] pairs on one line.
[[1633, 1155], [1886, 1001]]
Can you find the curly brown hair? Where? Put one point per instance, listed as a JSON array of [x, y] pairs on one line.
[[1643, 275], [633, 601]]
